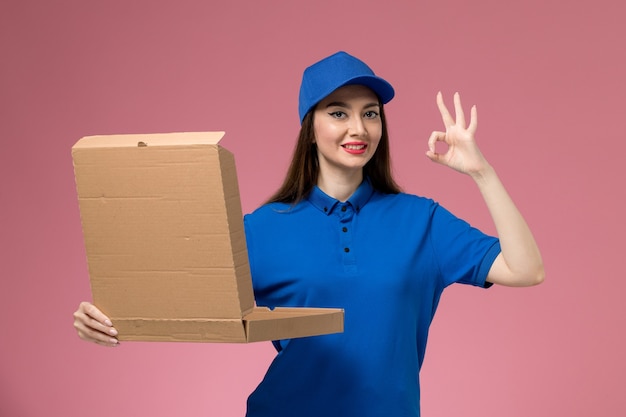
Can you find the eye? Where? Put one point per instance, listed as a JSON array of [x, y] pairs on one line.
[[338, 114], [371, 114]]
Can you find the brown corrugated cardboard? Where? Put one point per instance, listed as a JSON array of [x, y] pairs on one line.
[[165, 242]]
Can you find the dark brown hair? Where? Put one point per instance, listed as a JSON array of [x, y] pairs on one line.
[[304, 168]]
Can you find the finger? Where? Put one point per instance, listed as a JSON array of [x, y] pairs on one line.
[[97, 337], [473, 120], [107, 344], [93, 312], [97, 326], [434, 138], [436, 157], [458, 110], [445, 114]]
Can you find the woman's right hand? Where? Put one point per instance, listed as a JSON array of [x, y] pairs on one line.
[[93, 326]]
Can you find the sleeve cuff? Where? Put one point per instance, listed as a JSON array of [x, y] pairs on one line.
[[485, 265]]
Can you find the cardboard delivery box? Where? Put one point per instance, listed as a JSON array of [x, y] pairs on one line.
[[165, 242]]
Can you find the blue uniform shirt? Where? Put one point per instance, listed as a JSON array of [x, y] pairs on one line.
[[385, 259]]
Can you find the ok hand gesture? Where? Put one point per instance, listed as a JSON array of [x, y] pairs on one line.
[[463, 154]]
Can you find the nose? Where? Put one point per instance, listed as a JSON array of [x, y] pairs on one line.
[[357, 127]]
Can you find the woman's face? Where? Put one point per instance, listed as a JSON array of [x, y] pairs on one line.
[[348, 128]]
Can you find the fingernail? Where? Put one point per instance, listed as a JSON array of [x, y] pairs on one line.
[[114, 341], [108, 322], [113, 332]]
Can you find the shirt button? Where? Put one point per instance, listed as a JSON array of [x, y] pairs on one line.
[[345, 229], [346, 250], [325, 209], [343, 208]]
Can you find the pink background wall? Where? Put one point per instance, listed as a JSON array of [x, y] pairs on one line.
[[548, 79]]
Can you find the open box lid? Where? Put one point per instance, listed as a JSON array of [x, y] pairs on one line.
[[165, 242]]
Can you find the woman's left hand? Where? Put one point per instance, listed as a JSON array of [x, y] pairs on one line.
[[462, 154]]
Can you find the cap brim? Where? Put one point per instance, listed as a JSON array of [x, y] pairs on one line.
[[382, 88]]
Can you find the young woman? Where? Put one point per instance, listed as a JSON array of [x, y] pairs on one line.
[[340, 233]]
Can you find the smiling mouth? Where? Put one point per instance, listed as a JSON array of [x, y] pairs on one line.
[[353, 147]]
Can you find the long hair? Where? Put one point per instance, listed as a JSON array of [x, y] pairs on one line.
[[304, 168]]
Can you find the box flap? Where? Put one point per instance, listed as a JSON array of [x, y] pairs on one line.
[[288, 323], [152, 139]]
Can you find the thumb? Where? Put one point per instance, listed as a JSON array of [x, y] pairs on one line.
[[435, 157]]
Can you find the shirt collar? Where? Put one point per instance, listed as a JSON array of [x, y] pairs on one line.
[[326, 204]]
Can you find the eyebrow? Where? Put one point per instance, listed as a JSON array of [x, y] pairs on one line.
[[342, 104]]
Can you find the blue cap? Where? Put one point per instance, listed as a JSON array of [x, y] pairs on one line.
[[338, 70]]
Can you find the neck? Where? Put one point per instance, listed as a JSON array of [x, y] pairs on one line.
[[340, 187]]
